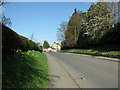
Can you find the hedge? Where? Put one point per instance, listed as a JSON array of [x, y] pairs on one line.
[[11, 41]]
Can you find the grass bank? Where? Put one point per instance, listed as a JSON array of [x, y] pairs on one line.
[[92, 51], [25, 70]]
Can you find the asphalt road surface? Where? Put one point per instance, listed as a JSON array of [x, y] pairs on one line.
[[88, 71]]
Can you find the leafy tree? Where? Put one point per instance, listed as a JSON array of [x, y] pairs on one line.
[[73, 30], [46, 45], [99, 19], [61, 31], [112, 36]]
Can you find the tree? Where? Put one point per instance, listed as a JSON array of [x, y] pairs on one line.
[[119, 11], [113, 8], [61, 31], [6, 21], [3, 19], [99, 19], [32, 37], [46, 45], [73, 30], [2, 2]]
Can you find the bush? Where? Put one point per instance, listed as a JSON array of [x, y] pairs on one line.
[[112, 36], [107, 40], [11, 41]]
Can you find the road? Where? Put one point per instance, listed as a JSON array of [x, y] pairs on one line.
[[87, 71]]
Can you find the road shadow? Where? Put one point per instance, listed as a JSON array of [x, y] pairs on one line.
[[53, 79]]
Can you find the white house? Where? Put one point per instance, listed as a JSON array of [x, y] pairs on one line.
[[50, 49], [47, 49], [56, 46]]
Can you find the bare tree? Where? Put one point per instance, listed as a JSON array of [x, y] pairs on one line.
[[6, 21], [32, 37], [113, 8], [3, 19], [2, 2], [119, 11], [61, 31]]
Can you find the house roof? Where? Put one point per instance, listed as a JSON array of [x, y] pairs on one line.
[[57, 44]]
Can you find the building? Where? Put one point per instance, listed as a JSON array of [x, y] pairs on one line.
[[57, 46], [45, 50], [50, 49], [38, 43], [54, 50]]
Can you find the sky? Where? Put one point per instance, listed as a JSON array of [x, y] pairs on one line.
[[41, 18]]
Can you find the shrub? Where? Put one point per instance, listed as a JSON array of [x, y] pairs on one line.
[[11, 41], [112, 36]]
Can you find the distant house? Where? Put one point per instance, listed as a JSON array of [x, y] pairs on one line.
[[38, 43], [45, 50], [55, 47], [54, 50], [49, 49]]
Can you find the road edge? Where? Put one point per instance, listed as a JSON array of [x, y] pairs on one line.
[[106, 56]]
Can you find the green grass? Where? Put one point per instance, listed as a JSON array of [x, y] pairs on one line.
[[92, 51], [25, 70]]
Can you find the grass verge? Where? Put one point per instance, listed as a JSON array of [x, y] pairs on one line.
[[91, 51], [25, 70]]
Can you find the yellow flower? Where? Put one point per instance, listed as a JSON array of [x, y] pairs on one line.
[[22, 53], [33, 50], [33, 54]]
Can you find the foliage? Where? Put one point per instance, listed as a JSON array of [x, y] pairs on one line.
[[11, 41], [109, 39], [73, 29], [99, 19], [46, 45], [112, 36], [25, 70], [95, 28]]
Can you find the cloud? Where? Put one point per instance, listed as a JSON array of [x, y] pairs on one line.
[[53, 34], [26, 34]]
